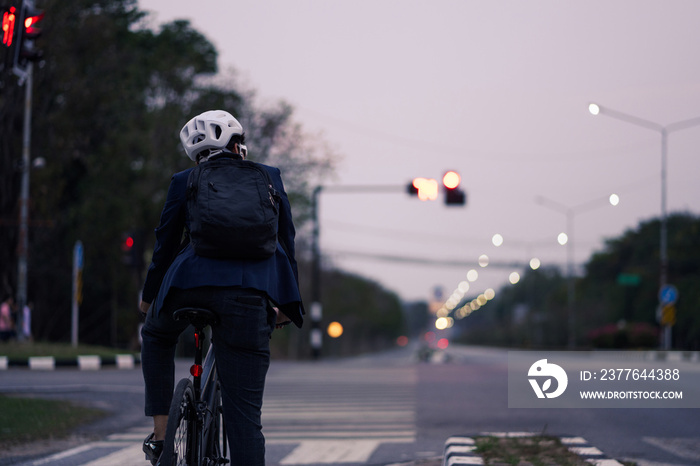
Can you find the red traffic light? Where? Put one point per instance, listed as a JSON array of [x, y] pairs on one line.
[[25, 20], [428, 189], [8, 26], [453, 194], [30, 28], [132, 249], [451, 179]]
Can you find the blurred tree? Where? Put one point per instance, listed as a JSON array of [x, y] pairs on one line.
[[616, 298], [371, 316], [621, 283], [531, 313], [109, 101]]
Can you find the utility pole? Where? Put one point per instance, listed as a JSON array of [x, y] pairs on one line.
[[23, 31], [23, 246], [316, 309]]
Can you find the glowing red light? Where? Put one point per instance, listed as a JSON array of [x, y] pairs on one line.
[[196, 370], [427, 188], [402, 340], [443, 343], [129, 242], [8, 26], [30, 21], [451, 180]]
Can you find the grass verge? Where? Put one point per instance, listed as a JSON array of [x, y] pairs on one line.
[[540, 450], [24, 420], [15, 350]]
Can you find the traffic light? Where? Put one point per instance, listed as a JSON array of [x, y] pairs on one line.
[[426, 189], [9, 18], [453, 194], [26, 33], [133, 249], [128, 249], [10, 23], [412, 189]]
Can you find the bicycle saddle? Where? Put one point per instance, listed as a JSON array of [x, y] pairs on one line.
[[198, 317]]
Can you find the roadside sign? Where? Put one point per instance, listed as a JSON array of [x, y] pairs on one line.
[[668, 295], [668, 315], [78, 255], [77, 290], [629, 279]]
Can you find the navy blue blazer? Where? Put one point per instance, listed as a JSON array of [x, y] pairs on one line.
[[172, 267]]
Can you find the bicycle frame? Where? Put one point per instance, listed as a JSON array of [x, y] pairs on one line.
[[207, 398], [195, 434]]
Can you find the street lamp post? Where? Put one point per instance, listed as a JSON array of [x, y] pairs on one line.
[[570, 213], [596, 109]]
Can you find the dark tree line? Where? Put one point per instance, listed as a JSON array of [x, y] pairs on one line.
[[616, 298]]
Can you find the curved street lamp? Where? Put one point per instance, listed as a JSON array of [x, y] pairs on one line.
[[567, 239], [596, 109]]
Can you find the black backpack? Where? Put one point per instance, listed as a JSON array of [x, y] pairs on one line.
[[233, 210]]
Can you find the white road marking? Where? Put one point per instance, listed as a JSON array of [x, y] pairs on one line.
[[334, 451]]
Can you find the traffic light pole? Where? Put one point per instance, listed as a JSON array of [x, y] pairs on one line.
[[316, 307], [23, 245]]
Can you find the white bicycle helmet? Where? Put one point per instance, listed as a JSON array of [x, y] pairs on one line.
[[211, 130]]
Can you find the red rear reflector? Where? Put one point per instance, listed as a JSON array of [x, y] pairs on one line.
[[196, 370]]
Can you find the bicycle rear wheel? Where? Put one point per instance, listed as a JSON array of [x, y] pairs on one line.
[[216, 450], [179, 446]]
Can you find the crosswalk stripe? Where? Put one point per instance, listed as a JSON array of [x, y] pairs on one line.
[[121, 457], [339, 415], [335, 416], [340, 451], [62, 455], [404, 435], [402, 416]]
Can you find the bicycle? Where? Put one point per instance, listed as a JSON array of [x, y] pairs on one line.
[[195, 434]]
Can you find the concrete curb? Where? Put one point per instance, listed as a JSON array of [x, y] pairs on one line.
[[654, 355], [459, 450], [674, 356], [83, 362]]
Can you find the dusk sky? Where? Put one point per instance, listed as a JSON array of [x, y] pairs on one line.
[[496, 90]]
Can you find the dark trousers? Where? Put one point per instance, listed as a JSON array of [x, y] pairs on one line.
[[242, 349]]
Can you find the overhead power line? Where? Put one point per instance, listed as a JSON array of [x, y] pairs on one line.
[[430, 261]]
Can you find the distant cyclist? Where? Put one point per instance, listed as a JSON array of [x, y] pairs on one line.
[[251, 297]]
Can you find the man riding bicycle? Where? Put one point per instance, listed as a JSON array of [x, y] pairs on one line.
[[250, 296]]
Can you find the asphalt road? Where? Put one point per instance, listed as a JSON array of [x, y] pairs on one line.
[[470, 395], [380, 409]]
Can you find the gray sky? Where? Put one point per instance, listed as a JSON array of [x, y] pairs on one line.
[[497, 90]]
